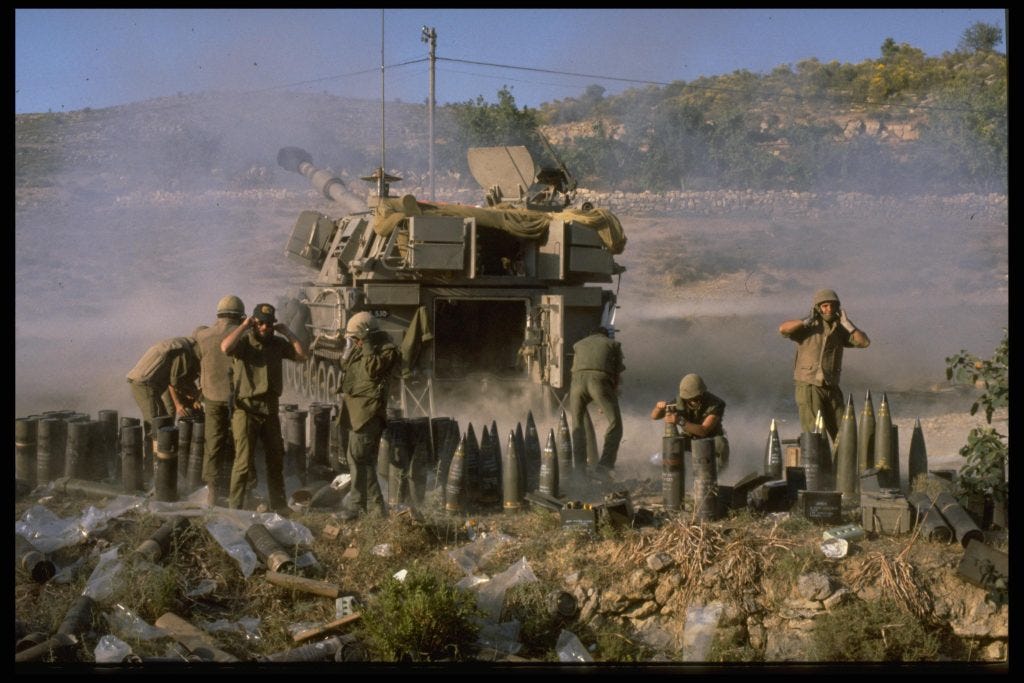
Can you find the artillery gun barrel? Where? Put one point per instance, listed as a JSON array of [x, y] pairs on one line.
[[300, 161]]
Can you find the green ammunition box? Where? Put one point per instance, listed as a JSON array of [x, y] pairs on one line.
[[885, 512]]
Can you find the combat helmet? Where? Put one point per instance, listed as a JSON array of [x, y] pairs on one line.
[[230, 305], [691, 386], [823, 295], [360, 325]]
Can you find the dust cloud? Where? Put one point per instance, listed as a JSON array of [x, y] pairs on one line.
[[131, 243]]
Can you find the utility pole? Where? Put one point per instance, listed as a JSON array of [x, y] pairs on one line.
[[429, 35]]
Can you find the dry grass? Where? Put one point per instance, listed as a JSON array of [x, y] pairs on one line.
[[896, 578]]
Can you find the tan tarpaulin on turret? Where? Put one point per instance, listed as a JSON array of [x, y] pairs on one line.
[[523, 223]]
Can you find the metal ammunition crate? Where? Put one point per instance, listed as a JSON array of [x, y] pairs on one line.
[[885, 512], [820, 506], [578, 519]]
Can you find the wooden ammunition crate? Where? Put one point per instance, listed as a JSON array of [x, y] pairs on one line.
[[886, 512]]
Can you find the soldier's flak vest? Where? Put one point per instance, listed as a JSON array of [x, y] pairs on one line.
[[155, 357]]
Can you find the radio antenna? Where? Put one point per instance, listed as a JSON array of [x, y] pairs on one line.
[[382, 190]]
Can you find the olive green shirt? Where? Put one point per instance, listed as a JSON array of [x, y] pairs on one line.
[[709, 405], [256, 371], [213, 362], [598, 352], [171, 362], [366, 379], [819, 353]]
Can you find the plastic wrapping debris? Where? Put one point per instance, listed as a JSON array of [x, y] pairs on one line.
[[491, 595], [470, 556], [48, 532], [503, 637], [249, 627], [102, 583], [401, 574], [382, 550], [111, 650], [126, 623], [699, 631], [232, 540], [570, 649]]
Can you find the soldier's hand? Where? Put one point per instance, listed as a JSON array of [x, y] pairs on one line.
[[845, 321], [810, 319], [661, 405], [672, 418]]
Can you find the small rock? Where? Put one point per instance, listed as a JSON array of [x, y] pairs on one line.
[[815, 586]]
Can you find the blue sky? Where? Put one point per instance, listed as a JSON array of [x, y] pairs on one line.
[[68, 59]]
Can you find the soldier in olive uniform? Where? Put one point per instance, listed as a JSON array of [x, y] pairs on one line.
[[369, 360], [216, 384], [597, 367], [257, 354], [698, 414], [169, 367], [821, 338]]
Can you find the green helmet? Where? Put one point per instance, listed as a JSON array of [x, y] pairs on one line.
[[360, 325], [691, 386], [230, 305], [823, 295]]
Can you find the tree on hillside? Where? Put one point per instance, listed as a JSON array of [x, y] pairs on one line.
[[980, 37]]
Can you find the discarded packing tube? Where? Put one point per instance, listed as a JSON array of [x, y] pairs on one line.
[[131, 458], [166, 465], [883, 446], [964, 527], [532, 453], [673, 471], [454, 495], [320, 453], [122, 423], [510, 471], [399, 462], [26, 430], [773, 453], [156, 546], [32, 561], [547, 482], [705, 479], [51, 442], [77, 452], [106, 451], [196, 453], [847, 474], [30, 640], [917, 458], [561, 604], [78, 617], [323, 651], [810, 460], [59, 646], [564, 443], [185, 427], [933, 526], [351, 650], [268, 549], [420, 459], [294, 428], [86, 487]]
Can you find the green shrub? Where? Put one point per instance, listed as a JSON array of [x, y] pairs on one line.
[[873, 631], [421, 619]]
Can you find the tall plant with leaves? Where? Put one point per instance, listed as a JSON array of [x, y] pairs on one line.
[[986, 449]]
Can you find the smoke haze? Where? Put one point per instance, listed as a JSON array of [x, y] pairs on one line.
[[120, 246]]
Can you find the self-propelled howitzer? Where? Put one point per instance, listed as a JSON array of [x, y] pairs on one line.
[[473, 295]]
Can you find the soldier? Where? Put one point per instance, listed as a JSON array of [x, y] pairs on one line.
[[698, 414], [367, 364], [216, 385], [257, 354], [821, 338], [168, 367], [597, 367]]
